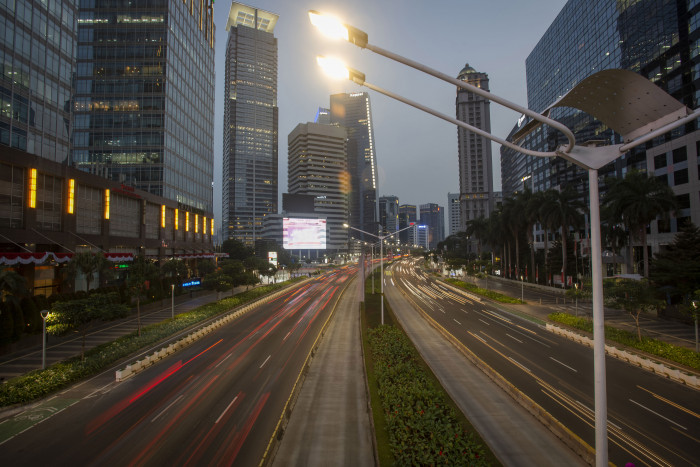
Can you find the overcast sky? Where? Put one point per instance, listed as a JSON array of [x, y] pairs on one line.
[[416, 152]]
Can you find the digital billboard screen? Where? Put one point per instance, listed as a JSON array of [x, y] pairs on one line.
[[303, 234]]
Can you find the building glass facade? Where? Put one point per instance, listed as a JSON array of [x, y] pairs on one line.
[[407, 214], [144, 97], [389, 213], [659, 39], [433, 216], [353, 112], [250, 179], [37, 49]]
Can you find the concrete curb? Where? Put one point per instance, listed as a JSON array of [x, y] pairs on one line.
[[659, 368], [140, 365]]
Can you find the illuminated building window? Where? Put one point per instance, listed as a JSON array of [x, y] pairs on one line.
[[32, 188], [162, 215], [212, 227], [176, 219], [107, 204], [71, 196], [204, 226], [196, 223], [187, 221]]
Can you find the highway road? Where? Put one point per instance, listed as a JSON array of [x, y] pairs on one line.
[[651, 420], [217, 402]]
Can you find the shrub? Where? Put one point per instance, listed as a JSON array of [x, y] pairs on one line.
[[423, 428]]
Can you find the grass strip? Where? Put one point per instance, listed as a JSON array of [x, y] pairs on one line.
[[652, 346], [499, 297], [39, 383]]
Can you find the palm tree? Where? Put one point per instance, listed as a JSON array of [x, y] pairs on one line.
[[638, 199], [13, 286], [566, 211], [515, 222], [479, 229], [547, 200], [496, 235]]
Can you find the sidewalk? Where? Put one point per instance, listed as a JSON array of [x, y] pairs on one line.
[[61, 348]]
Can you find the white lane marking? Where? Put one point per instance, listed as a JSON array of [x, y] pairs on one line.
[[517, 340], [392, 281], [222, 361], [166, 409], [456, 321], [478, 337], [564, 364], [226, 409], [487, 324], [263, 364], [519, 364], [285, 337], [658, 414]]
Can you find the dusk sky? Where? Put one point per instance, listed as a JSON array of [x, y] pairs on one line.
[[416, 152]]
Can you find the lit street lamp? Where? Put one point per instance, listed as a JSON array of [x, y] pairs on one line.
[[624, 101], [44, 315], [381, 259]]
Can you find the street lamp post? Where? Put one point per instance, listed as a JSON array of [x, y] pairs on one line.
[[604, 95], [44, 315], [381, 260]]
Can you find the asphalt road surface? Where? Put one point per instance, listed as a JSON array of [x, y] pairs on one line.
[[651, 420], [216, 402]]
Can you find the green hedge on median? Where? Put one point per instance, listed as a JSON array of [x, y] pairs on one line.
[[499, 297], [423, 428], [651, 346], [39, 383]]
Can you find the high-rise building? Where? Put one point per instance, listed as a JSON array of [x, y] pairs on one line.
[[317, 167], [407, 214], [453, 213], [433, 216], [143, 109], [475, 166], [389, 214], [658, 39], [119, 189], [250, 123], [352, 111], [422, 236]]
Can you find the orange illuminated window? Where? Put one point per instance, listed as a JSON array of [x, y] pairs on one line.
[[32, 188], [107, 204], [176, 219], [187, 221], [196, 223], [212, 226], [162, 215], [71, 196]]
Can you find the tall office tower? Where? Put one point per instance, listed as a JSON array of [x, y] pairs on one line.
[[475, 166], [422, 236], [323, 115], [407, 214], [433, 216], [352, 111], [317, 167], [659, 40], [389, 213], [250, 123], [453, 213], [143, 109]]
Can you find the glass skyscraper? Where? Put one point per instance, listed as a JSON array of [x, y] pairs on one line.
[[144, 97], [250, 179], [660, 40], [352, 111], [37, 48]]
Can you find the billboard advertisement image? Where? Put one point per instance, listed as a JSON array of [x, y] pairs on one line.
[[303, 234]]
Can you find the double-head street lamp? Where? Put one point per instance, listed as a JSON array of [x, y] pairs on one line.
[[624, 101], [381, 258]]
